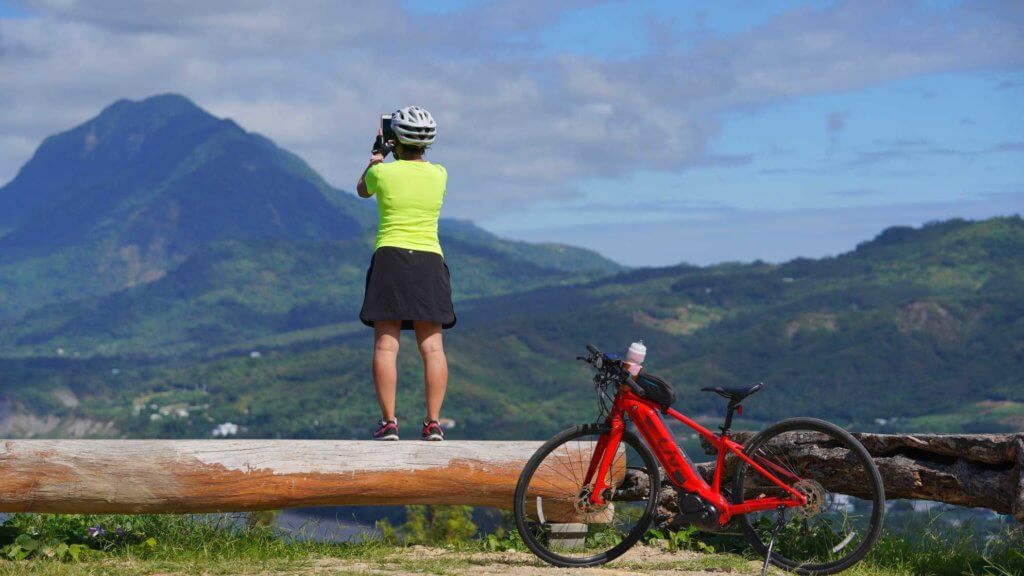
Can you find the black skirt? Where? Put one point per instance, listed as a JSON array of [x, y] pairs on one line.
[[408, 285]]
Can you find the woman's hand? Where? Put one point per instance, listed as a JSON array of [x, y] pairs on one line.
[[380, 149]]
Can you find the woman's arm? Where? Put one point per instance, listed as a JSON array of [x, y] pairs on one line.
[[361, 186]]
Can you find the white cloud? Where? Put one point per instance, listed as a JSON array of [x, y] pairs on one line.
[[515, 128]]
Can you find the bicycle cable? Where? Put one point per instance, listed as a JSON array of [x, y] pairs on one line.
[[602, 403]]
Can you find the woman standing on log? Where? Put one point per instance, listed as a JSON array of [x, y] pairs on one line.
[[408, 285]]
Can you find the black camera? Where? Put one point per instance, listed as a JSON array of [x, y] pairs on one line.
[[385, 128], [385, 142]]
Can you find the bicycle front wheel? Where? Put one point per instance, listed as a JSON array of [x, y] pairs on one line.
[[551, 508], [843, 515]]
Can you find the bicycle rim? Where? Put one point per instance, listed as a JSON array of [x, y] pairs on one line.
[[550, 502], [843, 517]]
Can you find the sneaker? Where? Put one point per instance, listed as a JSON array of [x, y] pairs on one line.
[[387, 430], [432, 431]]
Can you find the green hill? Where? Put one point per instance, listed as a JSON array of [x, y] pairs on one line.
[[163, 270], [128, 196], [919, 328], [235, 291]]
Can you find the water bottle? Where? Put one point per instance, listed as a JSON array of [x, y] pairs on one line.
[[635, 357]]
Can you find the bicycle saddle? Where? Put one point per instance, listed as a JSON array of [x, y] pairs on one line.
[[734, 395]]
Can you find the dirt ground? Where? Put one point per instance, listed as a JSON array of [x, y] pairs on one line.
[[641, 560], [416, 560]]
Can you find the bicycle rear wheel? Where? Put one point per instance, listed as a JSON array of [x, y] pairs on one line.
[[843, 516], [551, 510]]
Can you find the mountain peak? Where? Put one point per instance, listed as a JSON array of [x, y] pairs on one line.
[[127, 123], [939, 232], [133, 142], [168, 102], [158, 177]]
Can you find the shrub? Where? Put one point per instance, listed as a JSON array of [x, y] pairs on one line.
[[437, 525]]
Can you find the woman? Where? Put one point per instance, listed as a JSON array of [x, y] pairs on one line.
[[407, 285]]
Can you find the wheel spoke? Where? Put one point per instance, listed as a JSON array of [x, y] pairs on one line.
[[833, 529], [573, 532]]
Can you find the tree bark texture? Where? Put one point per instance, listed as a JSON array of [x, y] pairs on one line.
[[132, 476], [975, 470], [178, 476]]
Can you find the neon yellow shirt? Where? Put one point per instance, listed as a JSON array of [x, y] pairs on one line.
[[409, 198]]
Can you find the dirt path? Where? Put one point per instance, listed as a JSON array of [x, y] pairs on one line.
[[416, 560], [640, 561]]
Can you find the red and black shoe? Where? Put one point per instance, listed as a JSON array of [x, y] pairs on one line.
[[432, 431], [387, 430]]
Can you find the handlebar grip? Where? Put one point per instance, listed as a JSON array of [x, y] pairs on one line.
[[593, 349]]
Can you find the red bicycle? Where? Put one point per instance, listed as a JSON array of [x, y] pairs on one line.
[[591, 492]]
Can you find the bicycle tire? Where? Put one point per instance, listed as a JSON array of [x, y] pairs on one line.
[[875, 487], [522, 518]]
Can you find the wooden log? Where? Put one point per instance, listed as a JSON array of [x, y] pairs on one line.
[[178, 476], [78, 476], [975, 470]]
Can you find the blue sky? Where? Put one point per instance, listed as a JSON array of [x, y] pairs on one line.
[[654, 132]]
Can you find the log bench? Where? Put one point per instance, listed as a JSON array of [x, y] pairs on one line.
[[182, 476]]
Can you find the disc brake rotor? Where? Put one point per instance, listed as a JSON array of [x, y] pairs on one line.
[[814, 492], [584, 506]]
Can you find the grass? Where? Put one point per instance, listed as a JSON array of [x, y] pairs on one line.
[[165, 544], [168, 544], [929, 550]]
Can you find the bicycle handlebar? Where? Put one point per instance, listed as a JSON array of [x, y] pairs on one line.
[[608, 365]]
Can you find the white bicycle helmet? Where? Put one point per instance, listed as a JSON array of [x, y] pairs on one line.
[[414, 126]]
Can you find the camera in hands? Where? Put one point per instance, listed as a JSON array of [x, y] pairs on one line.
[[385, 141]]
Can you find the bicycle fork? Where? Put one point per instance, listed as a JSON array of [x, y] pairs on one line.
[[780, 521]]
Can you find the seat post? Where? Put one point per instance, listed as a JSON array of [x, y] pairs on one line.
[[728, 418]]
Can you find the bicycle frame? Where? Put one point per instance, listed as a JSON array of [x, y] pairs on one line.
[[678, 467]]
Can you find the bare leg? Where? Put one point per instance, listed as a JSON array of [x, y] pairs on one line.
[[385, 364], [435, 366]]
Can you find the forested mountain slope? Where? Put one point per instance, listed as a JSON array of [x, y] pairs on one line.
[[127, 197], [918, 328]]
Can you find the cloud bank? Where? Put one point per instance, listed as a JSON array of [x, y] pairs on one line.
[[523, 123], [515, 127]]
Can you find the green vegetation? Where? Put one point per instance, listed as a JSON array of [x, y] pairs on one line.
[[155, 543], [433, 525], [165, 544], [929, 552], [127, 197], [235, 292], [916, 330], [687, 539], [163, 271]]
